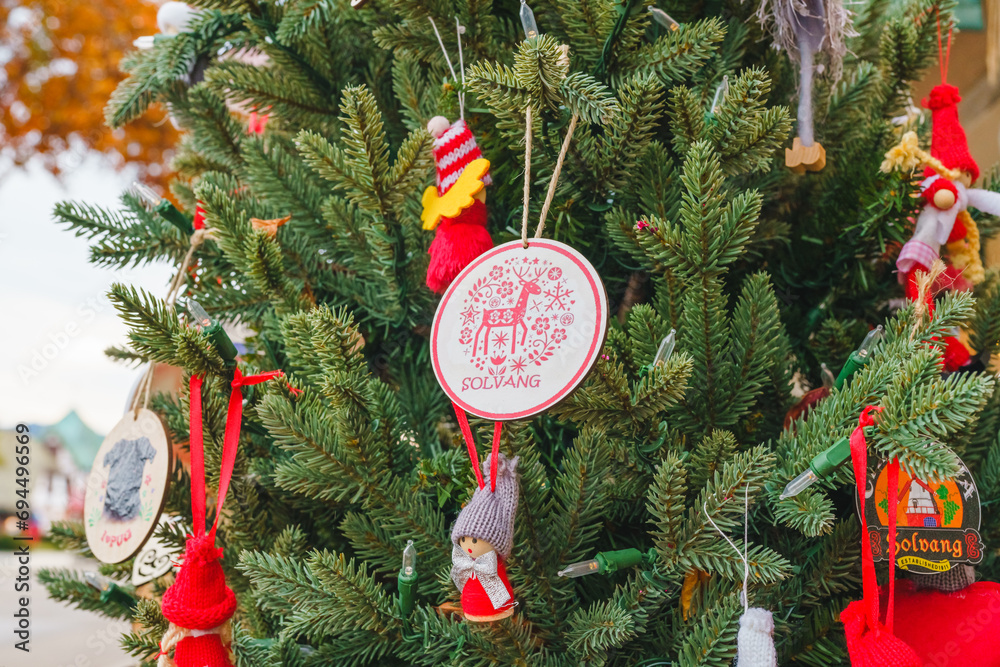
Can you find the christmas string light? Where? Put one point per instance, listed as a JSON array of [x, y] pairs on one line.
[[164, 208], [857, 359], [213, 328], [664, 19], [607, 562], [824, 463], [407, 579], [528, 21]]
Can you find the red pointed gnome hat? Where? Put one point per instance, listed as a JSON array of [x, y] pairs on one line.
[[948, 142], [199, 598]]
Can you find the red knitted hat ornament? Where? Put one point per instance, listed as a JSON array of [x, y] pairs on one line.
[[454, 148], [948, 141], [199, 598], [462, 238]]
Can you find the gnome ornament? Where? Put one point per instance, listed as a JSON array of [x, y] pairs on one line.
[[199, 606], [456, 208], [944, 219], [483, 537]]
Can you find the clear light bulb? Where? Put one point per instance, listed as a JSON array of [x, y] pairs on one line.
[[666, 348], [664, 18], [97, 581], [528, 21], [145, 42], [199, 314], [146, 193], [409, 559], [799, 484], [874, 336], [720, 93], [828, 379], [580, 569]]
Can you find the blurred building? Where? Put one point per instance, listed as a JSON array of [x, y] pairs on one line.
[[61, 457]]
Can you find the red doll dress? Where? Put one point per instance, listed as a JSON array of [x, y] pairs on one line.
[[475, 601]]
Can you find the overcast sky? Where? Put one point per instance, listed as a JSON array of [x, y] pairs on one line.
[[56, 318]]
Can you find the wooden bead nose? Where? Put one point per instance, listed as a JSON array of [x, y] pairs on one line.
[[944, 199]]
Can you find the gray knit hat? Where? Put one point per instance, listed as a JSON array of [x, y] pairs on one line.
[[490, 515]]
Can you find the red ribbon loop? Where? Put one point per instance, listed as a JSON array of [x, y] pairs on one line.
[[230, 443], [470, 445], [859, 457]]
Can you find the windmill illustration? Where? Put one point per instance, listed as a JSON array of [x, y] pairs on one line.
[[922, 509]]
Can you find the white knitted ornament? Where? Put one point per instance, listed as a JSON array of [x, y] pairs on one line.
[[755, 641]]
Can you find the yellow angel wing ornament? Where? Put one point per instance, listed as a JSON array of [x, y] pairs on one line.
[[458, 198]]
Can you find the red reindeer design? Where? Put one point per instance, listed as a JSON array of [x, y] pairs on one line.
[[509, 317]]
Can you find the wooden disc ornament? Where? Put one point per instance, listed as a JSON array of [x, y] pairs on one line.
[[156, 557], [127, 486], [937, 521], [518, 329]]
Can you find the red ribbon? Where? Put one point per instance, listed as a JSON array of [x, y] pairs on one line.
[[470, 445], [230, 443], [869, 586]]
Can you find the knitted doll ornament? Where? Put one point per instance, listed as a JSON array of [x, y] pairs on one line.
[[198, 605], [483, 537], [461, 234], [944, 220]]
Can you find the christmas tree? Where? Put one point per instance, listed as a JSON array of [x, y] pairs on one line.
[[674, 187]]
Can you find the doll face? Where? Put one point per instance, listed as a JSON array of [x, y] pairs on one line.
[[965, 178], [475, 547]]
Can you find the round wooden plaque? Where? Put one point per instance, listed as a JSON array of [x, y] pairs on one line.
[[127, 486], [519, 329]]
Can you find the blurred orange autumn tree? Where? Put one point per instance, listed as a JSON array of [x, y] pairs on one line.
[[60, 65]]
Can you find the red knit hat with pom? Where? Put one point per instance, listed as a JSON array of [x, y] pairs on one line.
[[199, 598], [454, 148], [948, 142]]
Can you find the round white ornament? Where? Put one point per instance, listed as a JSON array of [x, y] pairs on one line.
[[519, 329], [127, 486]]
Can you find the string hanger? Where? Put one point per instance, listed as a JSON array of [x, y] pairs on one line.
[[199, 236], [550, 193], [742, 556], [459, 29]]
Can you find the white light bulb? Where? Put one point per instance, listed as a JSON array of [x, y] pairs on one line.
[[666, 348], [580, 569], [174, 18], [528, 21]]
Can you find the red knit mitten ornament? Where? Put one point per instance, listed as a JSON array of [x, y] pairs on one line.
[[958, 629], [873, 647]]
